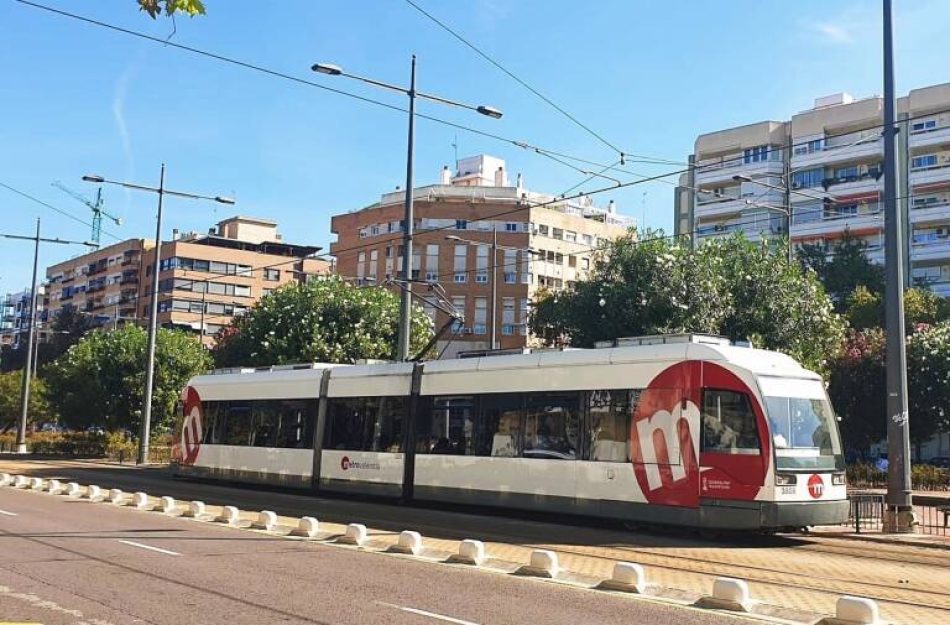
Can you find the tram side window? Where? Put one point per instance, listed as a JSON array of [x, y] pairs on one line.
[[237, 424], [296, 419], [265, 418], [552, 426], [501, 417], [448, 427], [366, 423], [609, 415], [728, 423], [211, 422]]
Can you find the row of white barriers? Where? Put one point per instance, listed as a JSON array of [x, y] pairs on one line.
[[727, 593]]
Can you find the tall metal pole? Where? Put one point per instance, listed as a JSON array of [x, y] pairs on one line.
[[899, 499], [25, 389], [152, 329], [201, 331], [493, 334], [405, 316]]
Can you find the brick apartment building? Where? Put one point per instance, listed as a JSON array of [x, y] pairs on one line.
[[204, 281], [543, 244]]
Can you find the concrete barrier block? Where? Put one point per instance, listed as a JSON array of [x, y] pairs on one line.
[[140, 500], [728, 594], [94, 493], [6, 479], [37, 483], [409, 542], [628, 577], [167, 505], [196, 510], [543, 563], [73, 490], [857, 611], [471, 552], [54, 487], [355, 534], [21, 481], [307, 527], [266, 520], [229, 515], [117, 497]]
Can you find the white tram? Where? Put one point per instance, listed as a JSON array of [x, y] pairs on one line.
[[686, 430]]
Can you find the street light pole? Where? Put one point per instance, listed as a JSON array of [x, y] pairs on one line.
[[145, 433], [405, 309], [493, 335], [900, 510], [146, 425], [405, 317]]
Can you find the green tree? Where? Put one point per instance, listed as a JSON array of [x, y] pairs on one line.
[[847, 269], [99, 380], [732, 287], [321, 321], [155, 8], [921, 306], [857, 389], [10, 387], [928, 372]]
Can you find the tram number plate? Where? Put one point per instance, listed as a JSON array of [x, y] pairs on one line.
[[788, 490]]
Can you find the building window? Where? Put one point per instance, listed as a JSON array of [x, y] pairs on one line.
[[373, 263], [272, 275], [921, 162], [758, 154], [461, 224], [543, 230], [481, 315], [509, 227], [929, 124], [557, 233], [570, 236], [481, 264], [808, 178]]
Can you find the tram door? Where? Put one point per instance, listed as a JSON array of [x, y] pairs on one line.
[[733, 437]]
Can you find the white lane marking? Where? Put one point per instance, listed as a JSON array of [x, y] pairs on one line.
[[5, 513], [149, 547], [441, 617]]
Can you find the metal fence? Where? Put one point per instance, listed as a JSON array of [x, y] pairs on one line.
[[867, 510]]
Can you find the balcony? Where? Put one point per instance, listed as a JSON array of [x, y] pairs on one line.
[[929, 251], [854, 147], [862, 184], [129, 280], [931, 213], [818, 223], [929, 137], [940, 173], [710, 172], [719, 207]]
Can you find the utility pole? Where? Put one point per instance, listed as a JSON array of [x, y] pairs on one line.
[[31, 333], [25, 388], [405, 305], [900, 511], [494, 287]]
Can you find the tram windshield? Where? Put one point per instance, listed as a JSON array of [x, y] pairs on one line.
[[802, 425]]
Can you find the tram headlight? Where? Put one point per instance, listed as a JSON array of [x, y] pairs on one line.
[[838, 479], [785, 479]]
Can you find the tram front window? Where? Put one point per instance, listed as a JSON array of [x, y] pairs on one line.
[[804, 433]]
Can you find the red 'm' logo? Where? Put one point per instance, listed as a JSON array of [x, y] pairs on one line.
[[816, 486], [345, 463], [191, 427]]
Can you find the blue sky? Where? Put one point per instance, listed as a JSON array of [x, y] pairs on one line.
[[648, 76]]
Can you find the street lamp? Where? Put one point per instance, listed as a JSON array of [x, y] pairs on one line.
[[25, 389], [405, 327], [161, 191], [493, 271]]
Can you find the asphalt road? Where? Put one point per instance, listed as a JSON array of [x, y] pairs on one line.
[[66, 562]]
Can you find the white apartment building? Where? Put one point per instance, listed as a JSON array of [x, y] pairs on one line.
[[15, 317], [825, 164]]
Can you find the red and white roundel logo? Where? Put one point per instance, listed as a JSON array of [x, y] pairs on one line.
[[191, 427], [816, 486], [345, 463]]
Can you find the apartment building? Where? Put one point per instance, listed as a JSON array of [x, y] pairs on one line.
[[824, 166], [103, 283], [15, 318], [543, 244], [204, 279]]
